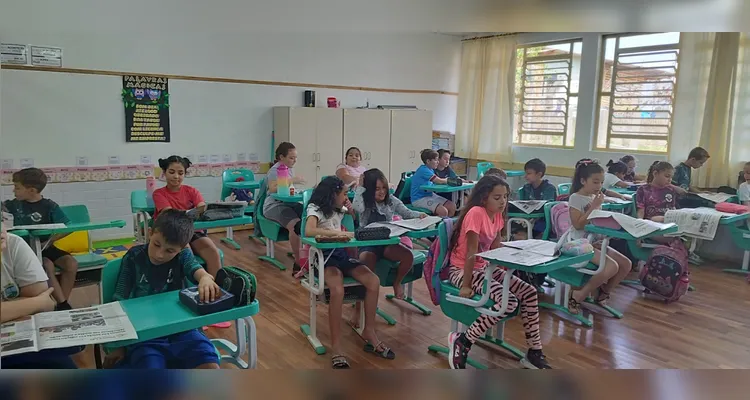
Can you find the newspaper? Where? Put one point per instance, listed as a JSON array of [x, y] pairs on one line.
[[616, 200], [542, 247], [396, 230], [700, 223], [509, 255], [635, 227], [715, 197], [38, 226], [57, 329], [529, 206], [417, 224]]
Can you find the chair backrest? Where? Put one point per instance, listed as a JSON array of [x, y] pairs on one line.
[[405, 195], [519, 194], [109, 279], [78, 213], [482, 167], [563, 188], [231, 175], [548, 219], [138, 200]]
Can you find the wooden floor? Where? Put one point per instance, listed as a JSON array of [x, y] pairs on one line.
[[709, 328]]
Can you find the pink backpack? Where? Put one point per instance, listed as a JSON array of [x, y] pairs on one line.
[[666, 272], [560, 219], [432, 273]]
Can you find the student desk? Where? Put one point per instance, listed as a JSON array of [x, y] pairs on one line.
[[483, 304], [523, 219], [515, 173], [294, 198], [247, 185], [617, 207], [163, 314], [620, 190], [453, 190], [19, 232], [314, 281]]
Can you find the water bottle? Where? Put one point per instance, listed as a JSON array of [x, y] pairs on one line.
[[283, 180], [150, 188]]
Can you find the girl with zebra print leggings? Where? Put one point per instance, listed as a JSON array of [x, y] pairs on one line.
[[478, 229]]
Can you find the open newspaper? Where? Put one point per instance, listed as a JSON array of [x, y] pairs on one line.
[[58, 329], [417, 224], [700, 223], [635, 227], [528, 206], [543, 247], [510, 255], [715, 197], [617, 200]]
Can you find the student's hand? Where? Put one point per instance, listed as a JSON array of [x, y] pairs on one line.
[[598, 200], [208, 290], [658, 219], [422, 216], [466, 292], [45, 301], [111, 359]]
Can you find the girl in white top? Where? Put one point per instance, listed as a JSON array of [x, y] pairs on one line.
[[587, 196], [744, 191], [351, 169], [616, 171]]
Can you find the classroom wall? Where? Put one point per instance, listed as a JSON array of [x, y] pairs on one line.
[[55, 117]]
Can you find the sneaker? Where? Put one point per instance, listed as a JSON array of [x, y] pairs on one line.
[[695, 259], [459, 350], [537, 360]]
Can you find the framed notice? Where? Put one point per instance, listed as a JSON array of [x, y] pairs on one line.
[[146, 101]]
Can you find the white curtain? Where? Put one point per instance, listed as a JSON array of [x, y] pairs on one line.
[[739, 152], [484, 120]]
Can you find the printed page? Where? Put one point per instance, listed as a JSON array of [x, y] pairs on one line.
[[636, 227], [100, 324], [38, 226], [396, 230], [616, 200], [715, 197], [417, 224], [694, 222], [529, 206], [542, 247], [18, 337], [507, 255], [227, 203]]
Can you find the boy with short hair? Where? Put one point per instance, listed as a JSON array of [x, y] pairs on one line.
[[444, 169], [683, 171], [536, 188], [31, 208], [425, 175], [158, 266]]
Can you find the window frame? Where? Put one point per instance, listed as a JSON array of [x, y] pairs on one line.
[[600, 94], [519, 121]]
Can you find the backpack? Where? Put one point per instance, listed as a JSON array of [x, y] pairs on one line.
[[560, 219], [433, 273], [666, 271], [243, 195], [240, 283]]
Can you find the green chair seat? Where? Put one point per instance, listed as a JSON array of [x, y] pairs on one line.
[[386, 270], [572, 276], [459, 312], [90, 260]]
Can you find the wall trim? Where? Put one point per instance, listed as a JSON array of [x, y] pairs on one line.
[[84, 71]]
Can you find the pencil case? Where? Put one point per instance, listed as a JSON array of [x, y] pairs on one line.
[[191, 299]]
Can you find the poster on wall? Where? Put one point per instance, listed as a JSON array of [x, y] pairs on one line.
[[146, 101]]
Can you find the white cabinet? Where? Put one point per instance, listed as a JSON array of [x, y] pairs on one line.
[[317, 133], [370, 132], [411, 132]]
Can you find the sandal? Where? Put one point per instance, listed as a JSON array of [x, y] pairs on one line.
[[574, 306], [602, 297], [339, 362], [384, 351]]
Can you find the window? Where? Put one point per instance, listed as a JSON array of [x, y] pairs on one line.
[[547, 77], [636, 92]]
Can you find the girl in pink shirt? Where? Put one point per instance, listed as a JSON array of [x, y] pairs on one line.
[[351, 169], [185, 197], [477, 230]]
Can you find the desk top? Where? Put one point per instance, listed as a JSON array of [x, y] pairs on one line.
[[424, 233], [620, 190], [622, 234], [19, 232], [222, 223], [163, 314], [70, 228], [352, 243], [243, 185], [514, 173], [523, 215], [558, 263], [727, 220], [295, 198], [447, 188]]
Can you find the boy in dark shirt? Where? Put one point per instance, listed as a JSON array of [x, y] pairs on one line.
[[683, 172], [444, 170], [536, 188], [30, 208], [158, 266]]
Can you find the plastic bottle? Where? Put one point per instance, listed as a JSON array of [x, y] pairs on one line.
[[150, 188], [283, 180]]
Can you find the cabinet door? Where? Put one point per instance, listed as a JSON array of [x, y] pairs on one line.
[[411, 132], [330, 130], [302, 133], [370, 131]]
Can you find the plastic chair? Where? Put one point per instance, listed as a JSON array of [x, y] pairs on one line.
[[270, 230], [563, 188], [231, 175], [482, 167], [107, 291], [741, 238], [462, 315], [575, 276], [405, 195]]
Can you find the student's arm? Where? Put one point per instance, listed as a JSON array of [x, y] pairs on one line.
[[359, 201], [25, 306], [312, 230], [579, 219], [208, 290], [640, 204], [472, 244], [679, 189], [622, 184], [641, 212], [197, 198], [344, 176], [404, 211], [438, 181], [610, 193]]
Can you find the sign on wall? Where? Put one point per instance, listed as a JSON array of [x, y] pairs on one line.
[[146, 101]]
